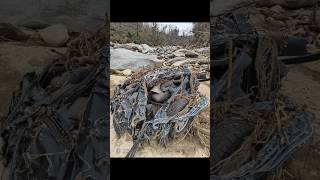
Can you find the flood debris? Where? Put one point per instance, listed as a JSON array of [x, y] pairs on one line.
[[256, 128], [158, 104], [56, 126]]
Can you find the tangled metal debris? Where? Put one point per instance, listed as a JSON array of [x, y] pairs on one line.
[[56, 127], [159, 103], [251, 115]]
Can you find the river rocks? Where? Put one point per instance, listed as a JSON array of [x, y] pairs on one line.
[[178, 54], [277, 9], [55, 35], [130, 57], [191, 54], [127, 72], [11, 32], [146, 48], [176, 59], [143, 48], [179, 63], [293, 18], [122, 59], [186, 53], [204, 51]]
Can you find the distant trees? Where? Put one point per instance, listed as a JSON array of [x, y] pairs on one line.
[[201, 33], [153, 34]]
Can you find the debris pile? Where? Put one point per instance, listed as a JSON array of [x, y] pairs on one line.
[[256, 128], [157, 104], [56, 125]]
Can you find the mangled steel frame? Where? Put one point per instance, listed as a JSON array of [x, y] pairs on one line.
[[253, 82], [159, 103]]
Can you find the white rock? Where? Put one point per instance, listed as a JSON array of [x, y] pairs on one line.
[[179, 63], [178, 54], [55, 35], [176, 59], [146, 48], [185, 53], [277, 9], [127, 72]]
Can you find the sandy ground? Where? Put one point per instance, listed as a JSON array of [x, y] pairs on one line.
[[303, 87], [188, 147]]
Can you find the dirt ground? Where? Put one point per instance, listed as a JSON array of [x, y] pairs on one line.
[[188, 147], [302, 85]]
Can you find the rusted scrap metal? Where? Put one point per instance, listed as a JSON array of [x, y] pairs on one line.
[[158, 104]]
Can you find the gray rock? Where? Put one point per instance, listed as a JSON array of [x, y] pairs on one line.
[[55, 35], [179, 63], [176, 59], [178, 54], [191, 54], [204, 50], [127, 72], [146, 48], [11, 32], [171, 56], [122, 59], [185, 53], [277, 9]]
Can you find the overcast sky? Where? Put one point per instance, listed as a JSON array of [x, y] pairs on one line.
[[183, 27]]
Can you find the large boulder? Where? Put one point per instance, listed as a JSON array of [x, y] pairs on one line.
[[122, 59], [55, 35]]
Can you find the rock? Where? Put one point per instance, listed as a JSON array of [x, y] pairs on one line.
[[146, 48], [275, 23], [178, 54], [36, 25], [176, 59], [179, 63], [122, 59], [277, 9], [258, 19], [131, 46], [299, 32], [55, 35], [191, 54], [271, 3], [204, 50], [170, 56], [156, 89], [199, 61], [161, 56], [185, 53], [11, 32], [127, 72]]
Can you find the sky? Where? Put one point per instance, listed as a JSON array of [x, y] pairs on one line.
[[183, 27]]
